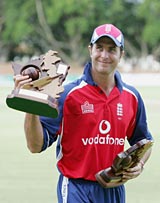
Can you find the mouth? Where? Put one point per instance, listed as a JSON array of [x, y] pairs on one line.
[[105, 62]]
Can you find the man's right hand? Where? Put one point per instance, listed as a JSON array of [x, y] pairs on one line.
[[20, 80]]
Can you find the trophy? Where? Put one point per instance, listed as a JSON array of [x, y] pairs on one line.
[[123, 161], [40, 96]]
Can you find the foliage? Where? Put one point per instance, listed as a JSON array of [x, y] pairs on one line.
[[35, 26], [151, 33]]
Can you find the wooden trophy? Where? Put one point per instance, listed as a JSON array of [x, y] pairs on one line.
[[123, 161], [40, 96]]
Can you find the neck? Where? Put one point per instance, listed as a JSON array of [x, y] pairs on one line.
[[105, 82]]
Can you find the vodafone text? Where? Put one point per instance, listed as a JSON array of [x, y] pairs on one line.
[[104, 128]]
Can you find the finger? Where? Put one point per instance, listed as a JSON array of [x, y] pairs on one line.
[[20, 80], [135, 168], [20, 77], [127, 175]]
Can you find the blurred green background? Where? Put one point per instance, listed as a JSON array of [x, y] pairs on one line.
[[30, 28]]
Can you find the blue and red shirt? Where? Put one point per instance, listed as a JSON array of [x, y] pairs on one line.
[[92, 127]]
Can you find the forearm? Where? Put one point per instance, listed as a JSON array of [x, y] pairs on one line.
[[145, 157], [33, 132], [32, 126]]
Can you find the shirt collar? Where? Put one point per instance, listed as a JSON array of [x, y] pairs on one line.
[[87, 76]]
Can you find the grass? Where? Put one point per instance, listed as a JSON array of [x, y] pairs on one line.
[[24, 177], [145, 189], [32, 178]]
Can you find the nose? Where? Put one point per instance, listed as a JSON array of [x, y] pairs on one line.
[[105, 54]]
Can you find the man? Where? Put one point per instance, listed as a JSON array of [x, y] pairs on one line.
[[97, 113]]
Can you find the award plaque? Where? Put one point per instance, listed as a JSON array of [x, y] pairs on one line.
[[123, 161], [40, 96]]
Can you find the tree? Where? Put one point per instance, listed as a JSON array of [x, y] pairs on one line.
[[51, 24], [150, 12], [35, 26]]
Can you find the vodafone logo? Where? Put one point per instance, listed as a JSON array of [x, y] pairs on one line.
[[104, 127], [106, 139]]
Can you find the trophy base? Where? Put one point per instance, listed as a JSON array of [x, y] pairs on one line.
[[107, 176], [33, 102]]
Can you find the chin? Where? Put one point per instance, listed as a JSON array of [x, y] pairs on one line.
[[106, 71]]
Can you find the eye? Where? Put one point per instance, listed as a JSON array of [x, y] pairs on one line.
[[112, 49], [99, 47]]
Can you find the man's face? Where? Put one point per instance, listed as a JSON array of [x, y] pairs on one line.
[[105, 55]]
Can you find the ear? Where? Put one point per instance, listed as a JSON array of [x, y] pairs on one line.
[[90, 50], [122, 54]]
